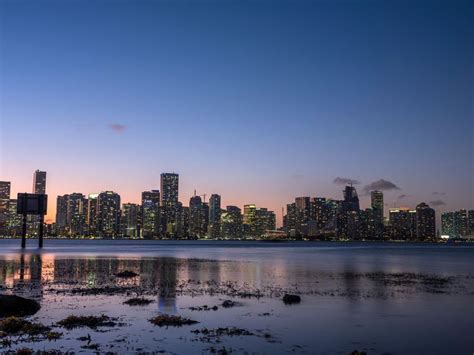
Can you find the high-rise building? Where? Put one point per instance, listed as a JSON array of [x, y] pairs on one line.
[[61, 214], [348, 206], [231, 223], [257, 221], [376, 198], [195, 216], [92, 214], [129, 224], [214, 216], [447, 224], [470, 221], [303, 213], [425, 222], [108, 214], [5, 190], [76, 214], [39, 182], [14, 220], [4, 200], [402, 222], [290, 219], [151, 214], [169, 185]]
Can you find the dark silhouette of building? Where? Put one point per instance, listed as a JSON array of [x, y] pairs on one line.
[[231, 223], [425, 222], [214, 229], [108, 214], [151, 226]]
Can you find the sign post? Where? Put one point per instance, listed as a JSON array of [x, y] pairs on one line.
[[33, 204]]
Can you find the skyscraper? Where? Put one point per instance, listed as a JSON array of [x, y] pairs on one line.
[[76, 214], [151, 213], [425, 222], [92, 211], [129, 220], [39, 182], [214, 216], [376, 198], [5, 190], [108, 214], [231, 223], [169, 185], [195, 216], [4, 200], [61, 214], [402, 223], [348, 208]]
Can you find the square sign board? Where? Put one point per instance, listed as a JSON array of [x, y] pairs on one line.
[[32, 204]]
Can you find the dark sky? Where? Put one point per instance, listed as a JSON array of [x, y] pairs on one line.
[[260, 101]]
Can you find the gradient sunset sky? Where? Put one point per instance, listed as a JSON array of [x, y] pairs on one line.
[[259, 101]]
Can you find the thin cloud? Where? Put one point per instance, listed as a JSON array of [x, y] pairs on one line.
[[437, 203], [380, 185], [402, 196], [345, 181], [436, 193], [117, 127]]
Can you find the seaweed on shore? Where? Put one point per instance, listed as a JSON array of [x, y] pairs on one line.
[[138, 301], [166, 320], [92, 322]]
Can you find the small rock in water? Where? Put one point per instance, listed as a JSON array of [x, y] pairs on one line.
[[291, 299], [126, 274], [228, 304], [17, 306]]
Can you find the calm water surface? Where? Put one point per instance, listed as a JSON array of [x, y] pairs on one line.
[[378, 298]]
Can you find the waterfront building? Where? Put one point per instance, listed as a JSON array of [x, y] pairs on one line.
[[214, 216], [425, 222], [151, 214], [92, 213], [129, 224], [39, 182], [169, 189], [108, 214], [402, 222], [231, 223]]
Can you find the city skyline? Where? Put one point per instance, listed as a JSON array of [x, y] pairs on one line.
[[365, 196], [256, 102]]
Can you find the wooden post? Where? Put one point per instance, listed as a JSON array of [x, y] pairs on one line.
[[23, 235], [41, 227]]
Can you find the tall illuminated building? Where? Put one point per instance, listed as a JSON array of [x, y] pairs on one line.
[[231, 223], [425, 222], [108, 214], [76, 214], [169, 189], [169, 186], [129, 222], [92, 212], [303, 213], [447, 224], [195, 216], [470, 221], [150, 213], [4, 199], [39, 182], [5, 190], [214, 216], [61, 214], [376, 198]]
